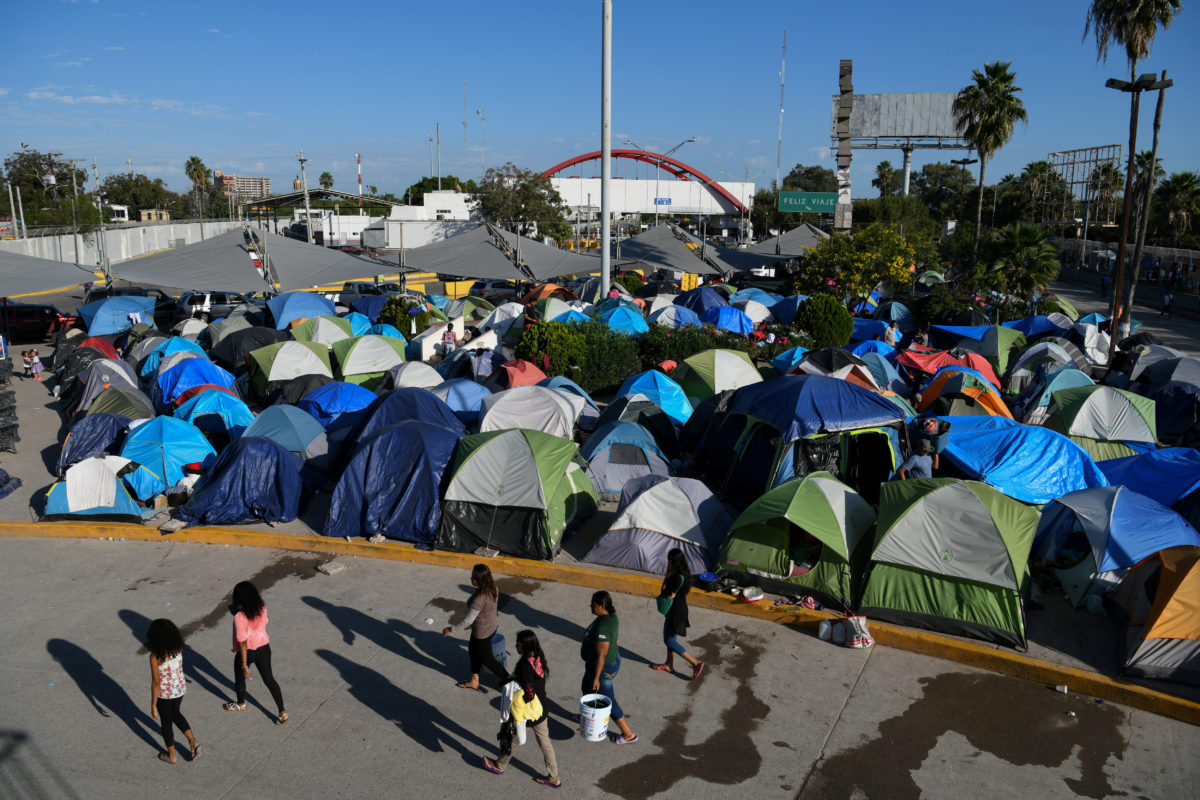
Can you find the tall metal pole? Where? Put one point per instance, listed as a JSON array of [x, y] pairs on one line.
[[307, 208], [779, 146], [466, 145], [21, 209], [12, 207], [431, 152], [1114, 326], [438, 125], [358, 160], [605, 143], [482, 112]]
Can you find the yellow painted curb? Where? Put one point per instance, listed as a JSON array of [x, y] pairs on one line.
[[980, 656]]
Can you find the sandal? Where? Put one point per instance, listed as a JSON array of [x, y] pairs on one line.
[[476, 688], [623, 740], [282, 718], [167, 758], [197, 751], [234, 706], [491, 767], [547, 782], [696, 672], [661, 668]]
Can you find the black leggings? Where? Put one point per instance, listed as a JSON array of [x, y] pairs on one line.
[[170, 715], [481, 654], [261, 657]]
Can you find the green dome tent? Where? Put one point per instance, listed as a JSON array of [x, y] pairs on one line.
[[285, 361], [323, 330], [366, 359], [516, 491], [712, 371], [1100, 419], [809, 535], [950, 556]]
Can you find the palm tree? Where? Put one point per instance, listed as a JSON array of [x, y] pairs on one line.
[[1029, 261], [1179, 201], [1104, 182], [326, 180], [197, 173], [1132, 24], [884, 175], [1144, 182], [985, 112]]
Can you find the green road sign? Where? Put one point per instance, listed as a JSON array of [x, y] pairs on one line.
[[811, 202]]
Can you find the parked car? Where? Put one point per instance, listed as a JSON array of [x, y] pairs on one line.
[[206, 305], [494, 291], [353, 290], [31, 322]]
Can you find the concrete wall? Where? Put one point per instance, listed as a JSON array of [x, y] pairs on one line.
[[121, 243]]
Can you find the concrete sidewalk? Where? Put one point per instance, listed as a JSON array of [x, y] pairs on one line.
[[369, 684]]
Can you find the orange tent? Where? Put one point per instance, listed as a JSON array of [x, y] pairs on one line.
[[544, 290], [950, 384], [1161, 595], [514, 373]]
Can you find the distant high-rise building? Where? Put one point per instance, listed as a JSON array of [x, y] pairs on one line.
[[241, 186]]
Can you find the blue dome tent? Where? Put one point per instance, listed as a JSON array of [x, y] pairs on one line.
[[336, 404], [619, 452], [164, 445], [215, 411], [701, 300], [660, 390], [186, 375], [94, 435], [116, 314], [403, 404], [254, 479], [788, 360], [727, 318], [291, 306], [169, 347], [360, 325], [624, 320], [369, 306], [463, 396]]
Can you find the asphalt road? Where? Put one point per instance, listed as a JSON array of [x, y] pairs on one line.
[[370, 688]]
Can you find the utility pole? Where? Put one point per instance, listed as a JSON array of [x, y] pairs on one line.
[[438, 127], [605, 145], [74, 215], [482, 112], [466, 146], [304, 186], [129, 161], [101, 245], [431, 152]]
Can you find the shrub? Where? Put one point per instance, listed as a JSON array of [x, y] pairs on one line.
[[556, 347], [401, 312], [609, 357], [631, 282], [825, 320]]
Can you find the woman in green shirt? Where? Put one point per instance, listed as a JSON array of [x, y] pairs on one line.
[[602, 658]]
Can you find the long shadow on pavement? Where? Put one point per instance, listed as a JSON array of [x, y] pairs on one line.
[[420, 720], [101, 690]]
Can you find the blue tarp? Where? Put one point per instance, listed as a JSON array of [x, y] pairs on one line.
[[1035, 326], [757, 295], [865, 329], [383, 329], [187, 374], [463, 396], [701, 300], [403, 404], [729, 319], [806, 405], [1166, 475], [164, 445], [171, 346], [873, 346], [1025, 462], [1136, 526], [255, 478], [957, 333], [785, 310], [625, 320], [336, 404], [360, 325], [299, 305], [93, 435], [662, 391], [786, 361], [214, 410], [393, 484], [438, 301], [112, 314], [572, 317], [370, 306]]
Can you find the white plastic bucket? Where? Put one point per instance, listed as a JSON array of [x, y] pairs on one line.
[[499, 651], [594, 710]]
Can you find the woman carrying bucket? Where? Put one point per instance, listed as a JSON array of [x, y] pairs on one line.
[[673, 594], [530, 673], [601, 659], [483, 620]]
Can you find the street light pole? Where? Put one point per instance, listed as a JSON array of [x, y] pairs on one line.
[[658, 159], [1134, 88], [962, 164], [307, 208]]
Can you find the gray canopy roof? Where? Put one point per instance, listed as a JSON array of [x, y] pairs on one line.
[[666, 247], [476, 254], [795, 242], [223, 262], [21, 274]]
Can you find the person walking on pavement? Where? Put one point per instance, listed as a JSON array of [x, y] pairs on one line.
[[483, 619], [167, 687], [251, 645], [1167, 301], [675, 586], [602, 659], [530, 674]]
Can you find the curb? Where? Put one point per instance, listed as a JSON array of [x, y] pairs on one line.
[[980, 656]]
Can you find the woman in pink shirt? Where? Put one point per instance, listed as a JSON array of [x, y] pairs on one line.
[[251, 645]]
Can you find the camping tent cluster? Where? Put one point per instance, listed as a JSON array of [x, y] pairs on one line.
[[782, 475]]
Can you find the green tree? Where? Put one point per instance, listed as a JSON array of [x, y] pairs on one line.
[[416, 192], [985, 112], [1178, 202], [888, 180], [522, 201], [854, 266], [140, 192], [325, 181], [1144, 180], [1025, 259], [810, 179], [199, 175], [941, 187], [826, 320], [45, 203]]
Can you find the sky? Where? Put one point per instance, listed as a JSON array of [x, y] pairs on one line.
[[248, 85]]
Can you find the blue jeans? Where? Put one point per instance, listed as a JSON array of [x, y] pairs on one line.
[[606, 685], [670, 641]]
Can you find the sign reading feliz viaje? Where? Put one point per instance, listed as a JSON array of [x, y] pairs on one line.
[[810, 202]]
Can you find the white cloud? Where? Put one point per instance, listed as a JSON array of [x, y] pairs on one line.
[[165, 105], [256, 113], [214, 30], [71, 64], [91, 99], [259, 166], [160, 104], [822, 152], [55, 54], [3, 91], [115, 47]]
